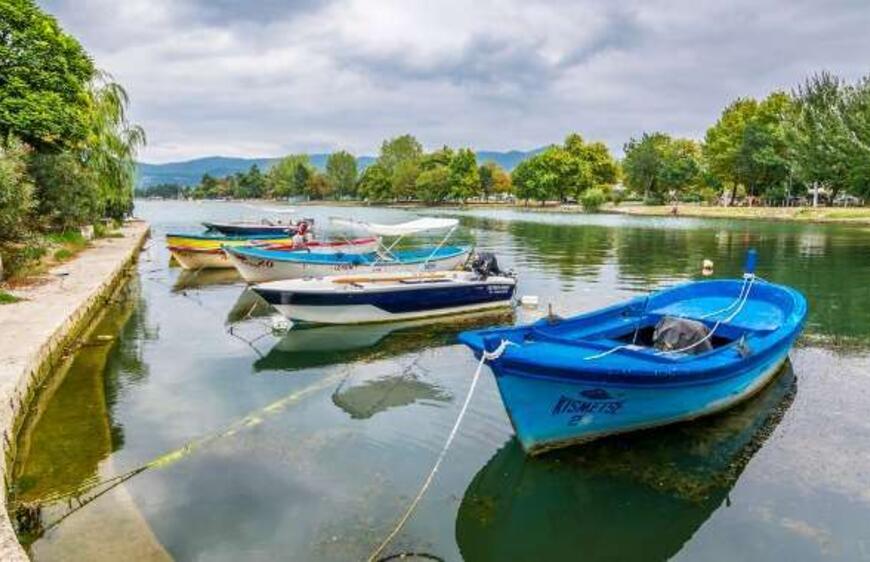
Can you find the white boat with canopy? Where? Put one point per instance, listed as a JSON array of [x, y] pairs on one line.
[[258, 265]]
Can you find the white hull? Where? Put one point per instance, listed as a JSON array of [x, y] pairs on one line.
[[261, 271], [366, 314], [201, 260]]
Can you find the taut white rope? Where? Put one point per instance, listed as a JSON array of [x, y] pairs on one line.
[[484, 357]]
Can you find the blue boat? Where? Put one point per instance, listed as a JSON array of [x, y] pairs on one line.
[[259, 265], [674, 355]]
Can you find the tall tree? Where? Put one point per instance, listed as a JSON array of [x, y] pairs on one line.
[[375, 184], [464, 177], [724, 140], [318, 186], [399, 149], [289, 176], [342, 173], [657, 165], [832, 133], [111, 145], [433, 184], [44, 76]]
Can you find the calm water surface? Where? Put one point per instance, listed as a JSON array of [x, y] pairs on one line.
[[309, 445]]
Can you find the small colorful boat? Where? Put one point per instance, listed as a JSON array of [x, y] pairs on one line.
[[203, 251], [213, 241], [386, 297], [259, 265], [273, 227], [678, 354]]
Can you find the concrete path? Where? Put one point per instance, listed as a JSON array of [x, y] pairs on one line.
[[35, 331]]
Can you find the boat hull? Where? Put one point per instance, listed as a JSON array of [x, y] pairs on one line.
[[398, 303], [261, 270], [251, 229], [549, 412], [189, 258], [203, 242]]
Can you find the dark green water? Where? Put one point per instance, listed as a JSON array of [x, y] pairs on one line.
[[310, 445]]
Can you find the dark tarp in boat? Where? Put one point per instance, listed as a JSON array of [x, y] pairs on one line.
[[681, 333]]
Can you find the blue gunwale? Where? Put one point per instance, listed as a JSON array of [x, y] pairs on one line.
[[418, 255], [557, 351]]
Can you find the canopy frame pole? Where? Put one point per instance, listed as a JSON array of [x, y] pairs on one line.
[[438, 247]]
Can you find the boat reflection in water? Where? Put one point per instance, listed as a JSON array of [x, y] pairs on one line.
[[363, 399], [201, 278], [636, 497], [315, 346], [248, 305]]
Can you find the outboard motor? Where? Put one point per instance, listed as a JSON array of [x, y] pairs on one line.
[[485, 264]]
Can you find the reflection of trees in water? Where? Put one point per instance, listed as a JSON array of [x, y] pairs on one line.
[[72, 428], [570, 251], [648, 257], [831, 267], [637, 497]]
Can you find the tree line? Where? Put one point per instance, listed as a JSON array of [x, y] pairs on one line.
[[769, 151], [67, 148]]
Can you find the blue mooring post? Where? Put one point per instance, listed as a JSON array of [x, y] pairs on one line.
[[751, 259]]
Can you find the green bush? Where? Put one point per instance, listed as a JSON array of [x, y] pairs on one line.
[[593, 199], [16, 192], [67, 192]]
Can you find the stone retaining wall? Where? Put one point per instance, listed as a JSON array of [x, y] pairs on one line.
[[35, 332]]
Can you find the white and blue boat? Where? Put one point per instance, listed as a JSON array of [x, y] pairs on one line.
[[260, 265], [387, 297], [674, 355]]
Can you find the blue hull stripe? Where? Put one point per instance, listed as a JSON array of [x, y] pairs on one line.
[[409, 300]]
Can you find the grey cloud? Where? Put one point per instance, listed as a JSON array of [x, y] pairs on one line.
[[262, 78]]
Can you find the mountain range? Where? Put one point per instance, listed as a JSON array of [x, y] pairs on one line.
[[190, 172]]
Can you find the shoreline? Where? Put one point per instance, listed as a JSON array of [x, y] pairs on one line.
[[855, 216], [36, 331]]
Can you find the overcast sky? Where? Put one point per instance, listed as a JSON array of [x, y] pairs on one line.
[[269, 77]]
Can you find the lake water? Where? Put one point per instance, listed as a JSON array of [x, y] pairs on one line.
[[198, 433]]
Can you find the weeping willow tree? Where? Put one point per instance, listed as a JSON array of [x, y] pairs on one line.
[[111, 145]]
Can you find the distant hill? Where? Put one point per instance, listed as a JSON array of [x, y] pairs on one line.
[[191, 171]]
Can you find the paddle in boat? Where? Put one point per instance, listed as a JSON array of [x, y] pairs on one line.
[[259, 265], [391, 296], [203, 251], [674, 355]]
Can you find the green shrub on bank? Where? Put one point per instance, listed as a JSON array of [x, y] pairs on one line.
[[16, 191], [593, 199]]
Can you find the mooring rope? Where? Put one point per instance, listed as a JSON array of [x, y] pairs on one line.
[[250, 420], [743, 299], [484, 357]]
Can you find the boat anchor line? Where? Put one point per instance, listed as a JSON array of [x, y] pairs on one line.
[[484, 357], [80, 498]]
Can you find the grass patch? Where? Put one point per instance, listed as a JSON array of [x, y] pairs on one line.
[[33, 257], [70, 239], [7, 298], [63, 254]]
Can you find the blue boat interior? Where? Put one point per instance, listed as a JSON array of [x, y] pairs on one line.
[[629, 326], [411, 256]]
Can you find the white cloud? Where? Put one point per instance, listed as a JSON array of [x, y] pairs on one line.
[[270, 77]]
